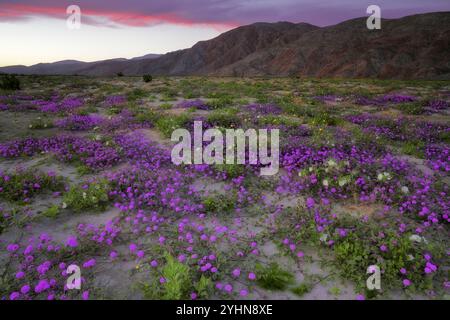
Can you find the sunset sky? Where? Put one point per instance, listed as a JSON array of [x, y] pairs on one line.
[[36, 31]]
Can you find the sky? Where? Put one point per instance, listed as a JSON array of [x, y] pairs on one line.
[[36, 31]]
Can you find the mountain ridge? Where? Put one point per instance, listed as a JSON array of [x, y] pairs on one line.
[[412, 47]]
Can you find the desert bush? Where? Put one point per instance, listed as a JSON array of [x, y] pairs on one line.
[[9, 82], [93, 197], [147, 78]]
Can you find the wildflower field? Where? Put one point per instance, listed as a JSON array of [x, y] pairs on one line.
[[86, 179]]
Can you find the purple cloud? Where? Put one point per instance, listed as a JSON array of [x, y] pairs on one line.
[[217, 12]]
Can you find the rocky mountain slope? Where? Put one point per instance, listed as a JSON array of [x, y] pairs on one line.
[[412, 47]]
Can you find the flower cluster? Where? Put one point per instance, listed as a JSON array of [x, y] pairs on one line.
[[79, 122], [91, 153], [197, 104], [263, 109], [386, 99], [115, 100]]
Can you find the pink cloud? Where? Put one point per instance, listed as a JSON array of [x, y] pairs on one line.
[[11, 12], [218, 14]]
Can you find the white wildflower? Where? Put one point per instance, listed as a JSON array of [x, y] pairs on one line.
[[415, 238], [332, 163]]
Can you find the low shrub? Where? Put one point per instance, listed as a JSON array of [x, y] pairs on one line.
[[92, 197], [9, 82], [147, 78], [273, 277]]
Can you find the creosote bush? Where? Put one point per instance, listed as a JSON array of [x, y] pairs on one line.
[[9, 82], [147, 78]]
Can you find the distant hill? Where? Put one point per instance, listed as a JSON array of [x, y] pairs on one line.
[[71, 67], [413, 47]]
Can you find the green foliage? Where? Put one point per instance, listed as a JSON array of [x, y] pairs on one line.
[[168, 94], [352, 257], [167, 124], [113, 111], [94, 197], [82, 169], [413, 108], [301, 289], [231, 170], [136, 94], [324, 119], [7, 218], [221, 102], [279, 120], [41, 123], [51, 212], [148, 116], [86, 110], [299, 111], [357, 251], [335, 291], [361, 248], [9, 82], [203, 287], [366, 139], [227, 118], [414, 148], [20, 185], [177, 279], [322, 136], [147, 78], [165, 106], [273, 277], [178, 282], [219, 203], [445, 136]]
